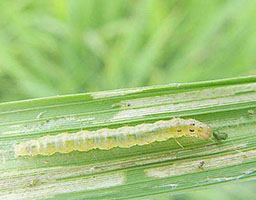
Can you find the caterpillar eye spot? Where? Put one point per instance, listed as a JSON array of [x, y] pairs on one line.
[[179, 130], [192, 130]]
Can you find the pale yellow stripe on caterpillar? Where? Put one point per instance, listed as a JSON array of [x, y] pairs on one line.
[[106, 139]]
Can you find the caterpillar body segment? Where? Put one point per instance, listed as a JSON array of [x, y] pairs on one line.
[[105, 138]]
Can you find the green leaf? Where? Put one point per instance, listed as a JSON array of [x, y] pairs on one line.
[[141, 172]]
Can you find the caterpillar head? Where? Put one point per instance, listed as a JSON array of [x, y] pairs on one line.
[[199, 129], [204, 132]]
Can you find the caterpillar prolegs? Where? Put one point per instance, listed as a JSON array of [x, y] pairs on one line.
[[105, 138]]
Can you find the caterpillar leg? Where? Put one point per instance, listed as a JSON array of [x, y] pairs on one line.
[[179, 143]]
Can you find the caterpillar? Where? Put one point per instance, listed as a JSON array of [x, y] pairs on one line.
[[105, 138]]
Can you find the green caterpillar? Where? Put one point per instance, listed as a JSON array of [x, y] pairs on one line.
[[125, 137]]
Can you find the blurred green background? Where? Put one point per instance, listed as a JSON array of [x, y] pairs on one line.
[[50, 47]]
